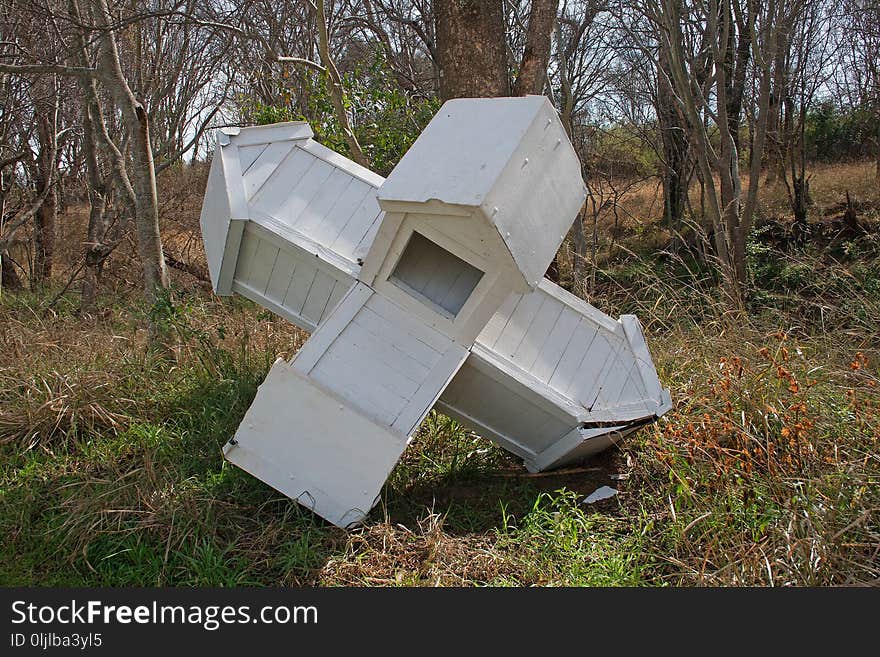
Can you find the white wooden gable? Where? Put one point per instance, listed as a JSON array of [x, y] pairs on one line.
[[303, 218]]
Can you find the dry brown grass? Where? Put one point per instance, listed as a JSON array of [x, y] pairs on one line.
[[111, 471], [388, 554], [643, 204], [59, 376], [766, 470]]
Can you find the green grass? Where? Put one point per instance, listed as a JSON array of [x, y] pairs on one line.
[[111, 471]]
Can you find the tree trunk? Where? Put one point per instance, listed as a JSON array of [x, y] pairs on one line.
[[45, 218], [44, 239], [9, 279], [337, 92], [96, 251], [143, 172], [579, 255], [673, 135], [738, 58], [147, 221], [533, 67], [471, 45], [576, 232], [777, 92]]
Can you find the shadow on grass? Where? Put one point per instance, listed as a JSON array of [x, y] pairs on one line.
[[482, 498]]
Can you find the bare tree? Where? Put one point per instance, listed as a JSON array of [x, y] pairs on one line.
[[581, 57], [859, 83], [807, 56], [701, 37], [337, 92], [532, 74], [675, 147]]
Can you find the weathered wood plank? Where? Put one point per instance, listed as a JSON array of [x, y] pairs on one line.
[[519, 323], [265, 166], [282, 274], [360, 221], [338, 216], [373, 365], [315, 347], [411, 344], [317, 212], [275, 195], [587, 377], [399, 317], [319, 294], [433, 384], [570, 361], [264, 262], [536, 337], [248, 154], [557, 342], [298, 291]]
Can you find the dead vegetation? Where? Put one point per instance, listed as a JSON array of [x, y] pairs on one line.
[[766, 472]]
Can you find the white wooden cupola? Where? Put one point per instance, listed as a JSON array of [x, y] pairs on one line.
[[475, 210]]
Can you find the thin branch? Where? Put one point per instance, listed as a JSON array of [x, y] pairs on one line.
[[59, 69], [12, 159]]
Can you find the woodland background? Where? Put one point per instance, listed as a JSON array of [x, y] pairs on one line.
[[731, 150]]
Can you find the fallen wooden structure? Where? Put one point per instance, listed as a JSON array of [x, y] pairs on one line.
[[423, 290]]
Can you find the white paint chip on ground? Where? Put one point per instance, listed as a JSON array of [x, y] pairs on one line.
[[602, 493]]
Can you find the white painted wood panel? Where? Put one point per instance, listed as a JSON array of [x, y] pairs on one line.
[[339, 161], [535, 339], [574, 353], [298, 291], [346, 357], [557, 342], [269, 134], [612, 388], [316, 346], [215, 217], [359, 223], [430, 389], [304, 441], [413, 345], [277, 194], [498, 402], [248, 154], [317, 212], [282, 273], [363, 247], [318, 295], [339, 290], [520, 321], [294, 283], [375, 401], [599, 358], [412, 366], [340, 213], [498, 321], [246, 256], [404, 324], [301, 192], [263, 263], [265, 165], [633, 391]]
